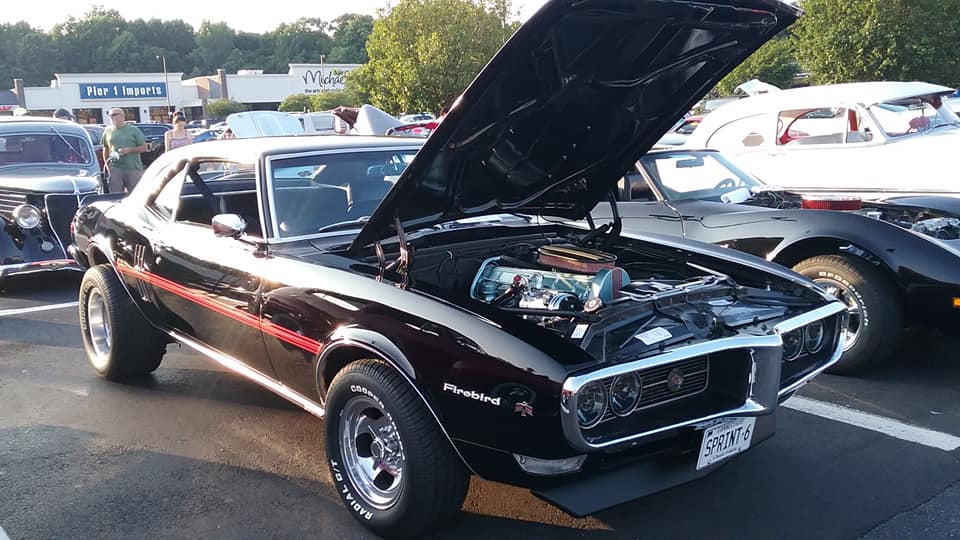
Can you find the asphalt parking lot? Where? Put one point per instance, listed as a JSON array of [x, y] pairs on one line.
[[197, 452]]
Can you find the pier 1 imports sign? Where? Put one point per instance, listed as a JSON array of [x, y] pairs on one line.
[[144, 90]]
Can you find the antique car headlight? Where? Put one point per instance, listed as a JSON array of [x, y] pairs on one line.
[[813, 335], [26, 216], [625, 394], [792, 344], [591, 404]]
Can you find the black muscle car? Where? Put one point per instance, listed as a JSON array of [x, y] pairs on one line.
[[894, 262], [441, 312], [46, 167]]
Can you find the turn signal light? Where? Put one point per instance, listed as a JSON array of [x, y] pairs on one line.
[[956, 301], [826, 202]]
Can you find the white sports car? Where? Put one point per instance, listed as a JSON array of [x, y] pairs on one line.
[[869, 139]]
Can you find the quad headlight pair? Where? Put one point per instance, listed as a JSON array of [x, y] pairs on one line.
[[809, 338], [27, 216], [622, 398]]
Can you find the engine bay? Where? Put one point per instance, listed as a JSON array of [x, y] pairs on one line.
[[614, 306]]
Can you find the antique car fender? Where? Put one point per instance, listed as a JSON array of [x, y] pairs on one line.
[[374, 342], [908, 256], [329, 364]]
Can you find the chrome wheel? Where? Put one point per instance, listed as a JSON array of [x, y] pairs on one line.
[[372, 452], [98, 328], [851, 333]]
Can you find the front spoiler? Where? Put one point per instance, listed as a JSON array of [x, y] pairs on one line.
[[582, 496]]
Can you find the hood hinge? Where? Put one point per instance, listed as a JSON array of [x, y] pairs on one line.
[[400, 265]]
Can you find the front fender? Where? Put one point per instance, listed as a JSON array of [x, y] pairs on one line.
[[913, 258]]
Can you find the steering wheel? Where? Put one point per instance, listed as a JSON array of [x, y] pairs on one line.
[[726, 183]]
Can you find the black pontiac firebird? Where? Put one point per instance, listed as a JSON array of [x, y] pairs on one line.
[[442, 313]]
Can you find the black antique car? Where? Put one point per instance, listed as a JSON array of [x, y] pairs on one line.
[[154, 135], [443, 312], [894, 262], [46, 167]]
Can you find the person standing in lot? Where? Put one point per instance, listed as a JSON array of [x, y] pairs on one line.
[[178, 136], [122, 145]]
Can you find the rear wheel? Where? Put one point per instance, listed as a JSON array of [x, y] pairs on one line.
[[391, 464], [119, 342], [875, 317]]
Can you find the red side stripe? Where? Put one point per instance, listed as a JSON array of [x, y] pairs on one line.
[[275, 330]]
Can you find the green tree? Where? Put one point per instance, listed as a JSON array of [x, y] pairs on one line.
[[773, 63], [215, 43], [425, 52], [324, 101], [221, 108], [296, 103], [350, 34], [84, 44], [867, 40], [302, 41]]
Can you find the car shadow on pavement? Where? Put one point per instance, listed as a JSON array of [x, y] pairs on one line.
[[64, 483], [29, 286]]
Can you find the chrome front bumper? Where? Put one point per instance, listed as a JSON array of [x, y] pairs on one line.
[[763, 381]]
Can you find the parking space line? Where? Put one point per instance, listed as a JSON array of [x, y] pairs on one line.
[[873, 422], [21, 311], [3, 535]]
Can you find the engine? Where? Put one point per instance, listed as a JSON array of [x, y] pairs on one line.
[[586, 280]]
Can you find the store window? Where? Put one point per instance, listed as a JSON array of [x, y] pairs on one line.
[[88, 116], [160, 115], [131, 114]]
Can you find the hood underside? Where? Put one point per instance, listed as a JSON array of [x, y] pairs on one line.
[[570, 101]]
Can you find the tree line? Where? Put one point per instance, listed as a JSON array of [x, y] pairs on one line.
[[102, 41], [420, 54]]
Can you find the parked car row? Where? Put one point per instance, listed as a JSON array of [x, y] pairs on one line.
[[500, 298]]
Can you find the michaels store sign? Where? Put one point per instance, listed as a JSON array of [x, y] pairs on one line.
[[123, 90]]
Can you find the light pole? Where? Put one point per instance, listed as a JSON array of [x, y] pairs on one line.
[[322, 85], [166, 82]]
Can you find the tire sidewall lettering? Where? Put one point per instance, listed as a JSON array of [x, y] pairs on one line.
[[864, 309], [345, 490]]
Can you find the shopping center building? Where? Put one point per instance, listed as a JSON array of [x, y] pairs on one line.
[[149, 97]]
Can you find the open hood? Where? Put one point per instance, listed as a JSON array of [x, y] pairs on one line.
[[264, 124], [578, 93]]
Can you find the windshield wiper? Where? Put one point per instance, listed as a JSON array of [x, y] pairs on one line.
[[70, 146], [343, 224]]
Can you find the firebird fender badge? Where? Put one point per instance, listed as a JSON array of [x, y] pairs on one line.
[[471, 394], [524, 408]]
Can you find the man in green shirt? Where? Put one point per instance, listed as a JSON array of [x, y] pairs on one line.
[[122, 145]]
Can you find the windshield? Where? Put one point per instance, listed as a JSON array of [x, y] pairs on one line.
[[913, 115], [696, 175], [32, 148], [332, 192]]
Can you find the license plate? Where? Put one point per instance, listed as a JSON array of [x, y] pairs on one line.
[[728, 438]]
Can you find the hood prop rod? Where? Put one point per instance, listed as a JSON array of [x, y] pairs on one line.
[[400, 265]]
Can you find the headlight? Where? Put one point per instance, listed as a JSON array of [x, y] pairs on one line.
[[26, 216], [591, 404], [792, 345], [813, 335], [625, 394]]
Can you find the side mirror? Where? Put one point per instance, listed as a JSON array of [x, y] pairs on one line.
[[633, 187], [228, 225]]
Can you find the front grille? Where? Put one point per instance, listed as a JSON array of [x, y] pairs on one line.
[[656, 391], [9, 201]]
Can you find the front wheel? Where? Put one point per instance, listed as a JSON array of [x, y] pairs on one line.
[[874, 314], [119, 342], [391, 464]]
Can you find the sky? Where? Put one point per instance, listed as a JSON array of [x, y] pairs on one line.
[[46, 13]]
